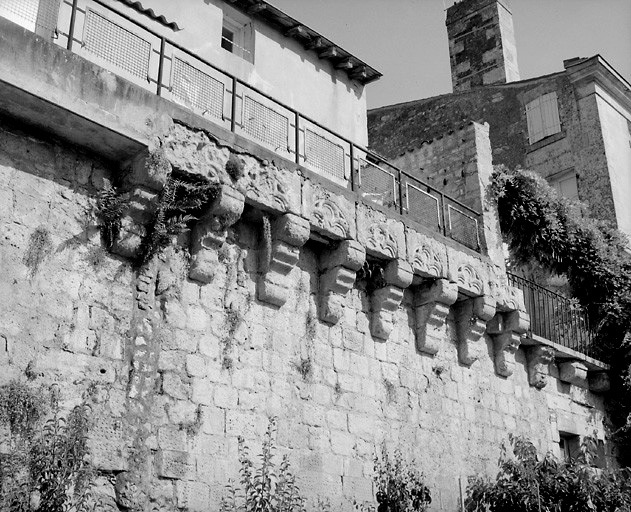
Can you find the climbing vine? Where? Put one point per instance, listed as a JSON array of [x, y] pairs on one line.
[[558, 234]]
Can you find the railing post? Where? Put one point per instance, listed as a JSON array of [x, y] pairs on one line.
[[233, 106], [161, 66], [297, 140], [443, 213], [73, 17], [352, 169], [399, 175]]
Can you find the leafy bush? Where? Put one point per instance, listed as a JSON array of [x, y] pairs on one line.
[[268, 488], [400, 486], [526, 483], [45, 468]]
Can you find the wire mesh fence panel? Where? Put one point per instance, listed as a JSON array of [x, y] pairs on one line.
[[197, 89], [36, 15], [324, 155], [462, 227], [377, 184], [265, 124], [423, 207], [116, 45]]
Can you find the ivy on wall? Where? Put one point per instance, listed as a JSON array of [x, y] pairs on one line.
[[543, 227]]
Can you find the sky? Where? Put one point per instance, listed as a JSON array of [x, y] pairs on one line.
[[406, 40]]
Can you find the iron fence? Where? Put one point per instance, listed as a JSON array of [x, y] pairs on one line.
[[555, 317], [124, 45]]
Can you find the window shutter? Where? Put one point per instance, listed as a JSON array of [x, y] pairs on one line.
[[550, 114], [534, 120], [542, 116]]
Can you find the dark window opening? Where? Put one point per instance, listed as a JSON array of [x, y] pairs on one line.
[[227, 39]]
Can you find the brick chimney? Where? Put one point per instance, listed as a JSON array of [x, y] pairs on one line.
[[481, 43]]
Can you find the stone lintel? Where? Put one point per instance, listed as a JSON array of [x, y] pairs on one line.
[[289, 233], [472, 316], [340, 267], [573, 372], [539, 358], [385, 301], [431, 307], [210, 233]]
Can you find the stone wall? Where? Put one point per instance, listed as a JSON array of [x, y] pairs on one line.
[[180, 358]]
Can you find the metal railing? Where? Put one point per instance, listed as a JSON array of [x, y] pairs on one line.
[[124, 45], [555, 317]]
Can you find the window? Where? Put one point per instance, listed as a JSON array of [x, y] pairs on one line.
[[570, 445], [566, 184], [236, 36], [542, 116]]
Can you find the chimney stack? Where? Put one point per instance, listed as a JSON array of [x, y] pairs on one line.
[[482, 47]]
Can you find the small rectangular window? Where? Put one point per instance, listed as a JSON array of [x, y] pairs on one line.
[[227, 39], [570, 445], [566, 184], [237, 37], [542, 116]]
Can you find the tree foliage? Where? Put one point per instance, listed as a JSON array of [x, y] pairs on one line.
[[541, 226]]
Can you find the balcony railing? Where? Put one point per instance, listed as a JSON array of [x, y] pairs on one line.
[[555, 317], [125, 46]]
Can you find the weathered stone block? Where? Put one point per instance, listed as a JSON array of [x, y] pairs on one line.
[[381, 236], [193, 496], [330, 214], [175, 464], [427, 256]]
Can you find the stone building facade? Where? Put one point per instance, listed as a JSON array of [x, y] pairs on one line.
[[573, 127], [258, 311]]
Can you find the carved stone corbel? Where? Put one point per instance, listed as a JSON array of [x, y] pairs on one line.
[[573, 372], [506, 330], [472, 316], [340, 267], [431, 307], [210, 233], [289, 233], [599, 382], [385, 301], [539, 358]]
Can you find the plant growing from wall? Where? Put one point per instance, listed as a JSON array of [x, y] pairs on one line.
[[39, 247], [179, 203], [45, 468], [110, 207], [542, 227], [270, 487], [527, 483], [372, 274], [400, 486]]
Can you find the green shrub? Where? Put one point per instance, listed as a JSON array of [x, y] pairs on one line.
[[400, 486], [526, 483], [271, 487], [45, 468]]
